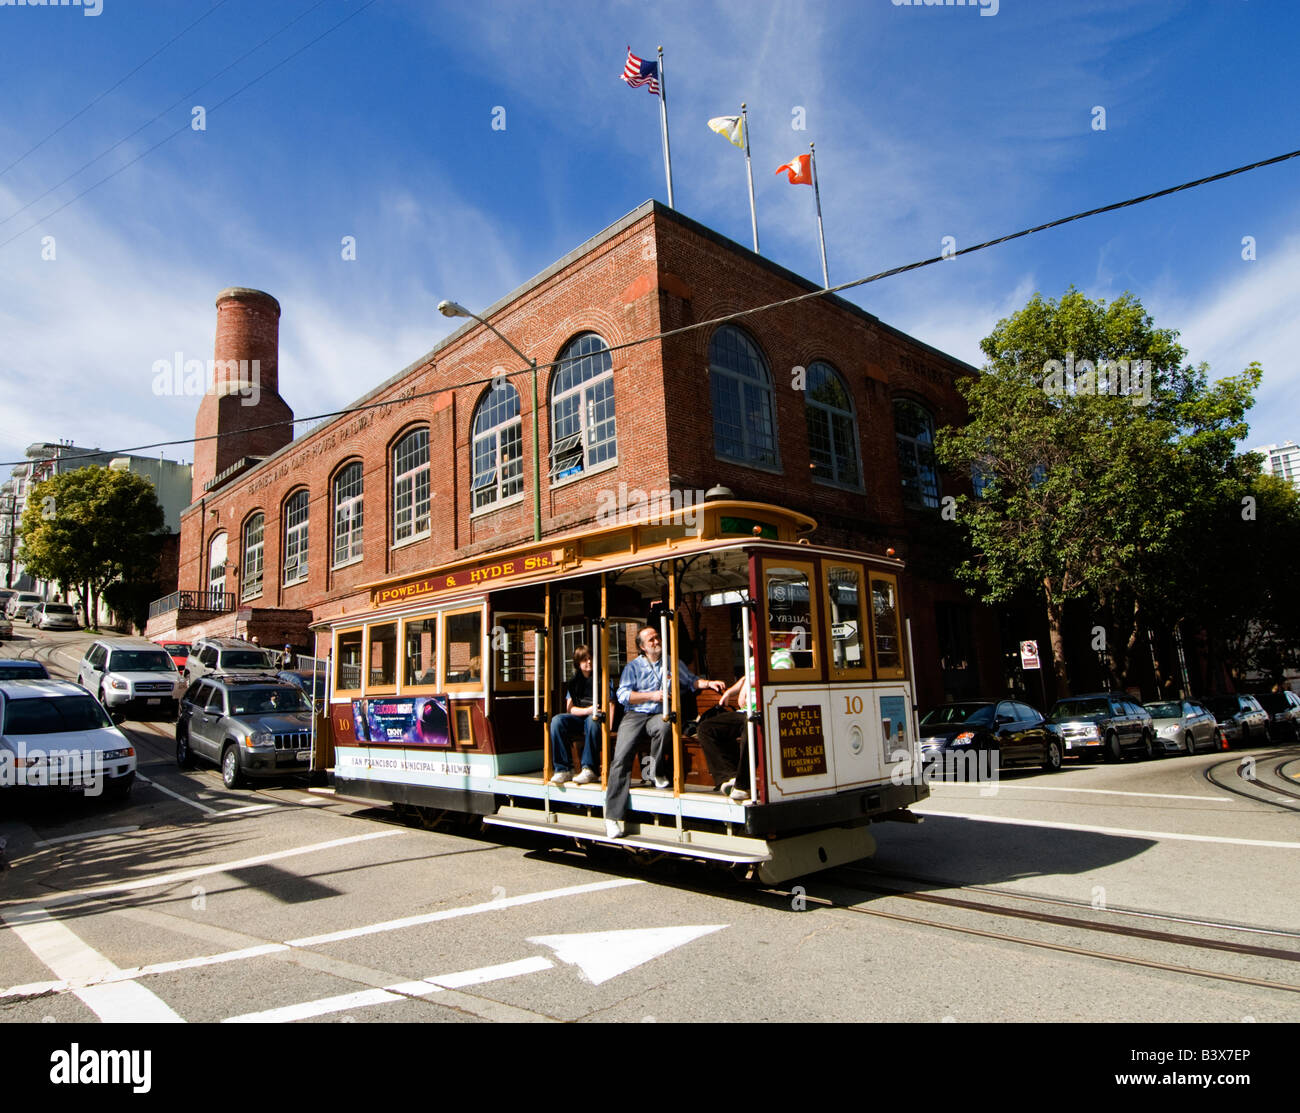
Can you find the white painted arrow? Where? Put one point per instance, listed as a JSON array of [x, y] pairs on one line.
[[602, 955]]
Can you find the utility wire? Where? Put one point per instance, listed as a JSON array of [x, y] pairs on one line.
[[116, 85], [716, 320], [186, 127], [179, 100]]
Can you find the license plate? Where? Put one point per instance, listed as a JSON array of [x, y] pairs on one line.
[[154, 701], [304, 755]]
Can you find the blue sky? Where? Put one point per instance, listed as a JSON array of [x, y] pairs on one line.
[[929, 122]]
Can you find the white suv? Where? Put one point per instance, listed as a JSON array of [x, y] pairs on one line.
[[131, 675]]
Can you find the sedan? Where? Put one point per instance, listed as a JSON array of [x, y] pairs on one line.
[[972, 732], [1183, 726], [55, 735]]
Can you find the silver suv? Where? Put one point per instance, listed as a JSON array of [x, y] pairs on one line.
[[132, 677], [250, 725], [227, 655]]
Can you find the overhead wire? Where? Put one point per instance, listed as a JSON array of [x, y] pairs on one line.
[[818, 293]]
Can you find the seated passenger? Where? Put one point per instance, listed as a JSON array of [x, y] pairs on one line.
[[578, 715], [640, 691], [725, 744]]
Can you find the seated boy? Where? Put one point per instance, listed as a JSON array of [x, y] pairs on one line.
[[578, 715]]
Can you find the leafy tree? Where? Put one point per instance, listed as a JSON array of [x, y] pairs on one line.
[[1089, 442], [89, 528]]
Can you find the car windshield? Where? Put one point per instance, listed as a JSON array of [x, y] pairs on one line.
[[977, 713], [142, 660], [1168, 710], [1273, 701], [54, 715], [177, 650], [1077, 709], [265, 701], [16, 670], [1224, 707], [244, 659], [58, 608]]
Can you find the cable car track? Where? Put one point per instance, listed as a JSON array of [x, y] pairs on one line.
[[1260, 786], [1004, 911]]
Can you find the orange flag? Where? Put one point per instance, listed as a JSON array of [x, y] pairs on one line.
[[798, 169]]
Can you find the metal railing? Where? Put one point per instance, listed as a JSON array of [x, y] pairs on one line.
[[217, 602]]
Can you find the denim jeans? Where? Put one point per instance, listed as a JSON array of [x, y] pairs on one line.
[[564, 725]]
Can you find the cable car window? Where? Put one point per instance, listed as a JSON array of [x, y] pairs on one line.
[[884, 607], [383, 656], [844, 608], [347, 658], [464, 643], [420, 668], [512, 649], [791, 623]]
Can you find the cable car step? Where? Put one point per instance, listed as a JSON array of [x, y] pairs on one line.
[[697, 844]]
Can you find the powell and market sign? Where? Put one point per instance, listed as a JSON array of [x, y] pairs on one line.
[[475, 575]]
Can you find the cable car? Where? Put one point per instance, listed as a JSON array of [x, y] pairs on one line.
[[442, 691]]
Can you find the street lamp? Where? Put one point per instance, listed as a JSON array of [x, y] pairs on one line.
[[455, 309]]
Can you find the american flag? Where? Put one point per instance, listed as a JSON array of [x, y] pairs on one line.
[[637, 72]]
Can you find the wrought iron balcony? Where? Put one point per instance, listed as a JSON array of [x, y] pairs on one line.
[[214, 602]]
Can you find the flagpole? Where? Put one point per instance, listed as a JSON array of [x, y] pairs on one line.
[[663, 120], [749, 171], [812, 158]]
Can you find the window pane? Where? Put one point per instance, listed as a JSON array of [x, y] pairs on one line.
[[512, 646], [791, 637], [741, 389], [844, 589], [421, 656], [383, 655], [347, 674], [464, 648], [411, 486], [884, 602]]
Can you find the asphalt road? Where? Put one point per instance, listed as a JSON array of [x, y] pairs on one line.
[[1132, 892]]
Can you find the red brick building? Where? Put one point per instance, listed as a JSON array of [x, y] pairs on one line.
[[817, 405]]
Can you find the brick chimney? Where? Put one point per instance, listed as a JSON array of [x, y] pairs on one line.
[[244, 388]]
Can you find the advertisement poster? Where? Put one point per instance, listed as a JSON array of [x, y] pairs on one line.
[[409, 721]]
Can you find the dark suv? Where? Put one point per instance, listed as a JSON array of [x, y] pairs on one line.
[[1102, 724], [250, 725]]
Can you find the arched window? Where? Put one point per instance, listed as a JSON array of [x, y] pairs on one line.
[[832, 431], [348, 514], [217, 573], [411, 487], [295, 537], [582, 408], [914, 431], [743, 428], [250, 583], [497, 446]]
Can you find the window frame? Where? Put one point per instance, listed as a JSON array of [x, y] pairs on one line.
[[355, 505], [412, 476], [885, 672], [582, 389], [866, 670], [479, 686], [914, 498], [493, 435], [336, 684], [719, 372], [828, 412], [795, 675], [303, 552], [246, 551]]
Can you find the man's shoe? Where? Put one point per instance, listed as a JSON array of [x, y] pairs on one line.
[[663, 782], [562, 776], [739, 795], [613, 828], [587, 777], [726, 787]]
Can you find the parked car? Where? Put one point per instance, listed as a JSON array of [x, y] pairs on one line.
[[1015, 731], [249, 724], [228, 655], [314, 684], [1183, 726], [54, 616], [1284, 714], [56, 736], [178, 651], [1242, 720], [20, 669], [132, 677], [1102, 724], [20, 602]]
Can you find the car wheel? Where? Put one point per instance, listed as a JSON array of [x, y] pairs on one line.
[[1052, 760], [115, 716], [1189, 744], [1113, 750], [1147, 749], [231, 775], [184, 756]]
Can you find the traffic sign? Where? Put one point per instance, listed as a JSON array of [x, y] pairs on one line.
[[1029, 655]]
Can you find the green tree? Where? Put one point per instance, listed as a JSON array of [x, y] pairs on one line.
[[1088, 442], [90, 528]]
